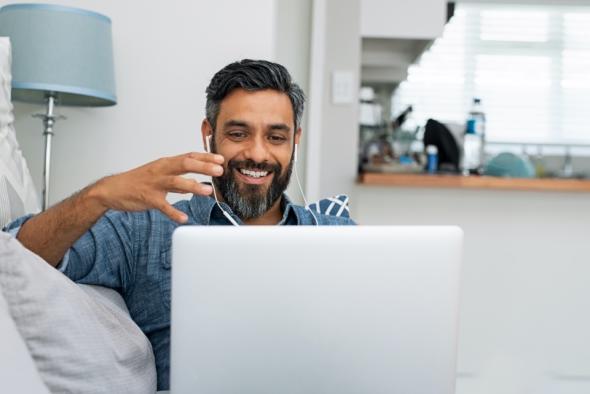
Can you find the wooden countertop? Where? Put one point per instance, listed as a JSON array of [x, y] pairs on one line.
[[474, 182]]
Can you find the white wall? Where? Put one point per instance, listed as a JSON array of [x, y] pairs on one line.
[[333, 128], [165, 54], [292, 40]]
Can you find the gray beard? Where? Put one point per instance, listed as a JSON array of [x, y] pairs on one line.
[[250, 201]]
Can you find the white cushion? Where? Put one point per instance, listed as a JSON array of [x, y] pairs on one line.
[[18, 373], [80, 337], [17, 192]]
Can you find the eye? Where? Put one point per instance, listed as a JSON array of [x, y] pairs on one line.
[[237, 134], [276, 138]]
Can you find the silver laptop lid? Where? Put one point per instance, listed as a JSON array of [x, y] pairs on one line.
[[315, 309]]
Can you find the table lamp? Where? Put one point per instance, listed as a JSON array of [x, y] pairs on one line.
[[61, 56]]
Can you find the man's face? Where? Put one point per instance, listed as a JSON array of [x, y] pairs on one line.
[[255, 133]]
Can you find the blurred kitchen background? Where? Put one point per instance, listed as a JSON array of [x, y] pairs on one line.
[[524, 205], [509, 82]]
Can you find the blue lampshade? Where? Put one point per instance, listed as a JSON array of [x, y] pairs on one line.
[[61, 50]]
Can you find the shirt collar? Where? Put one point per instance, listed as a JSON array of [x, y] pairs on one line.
[[289, 213]]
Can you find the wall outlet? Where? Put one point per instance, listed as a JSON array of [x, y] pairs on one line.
[[343, 87]]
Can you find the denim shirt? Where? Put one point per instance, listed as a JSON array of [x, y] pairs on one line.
[[130, 252]]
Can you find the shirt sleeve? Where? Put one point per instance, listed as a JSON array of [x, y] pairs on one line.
[[103, 256], [14, 227]]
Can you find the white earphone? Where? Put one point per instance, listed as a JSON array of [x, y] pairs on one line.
[[229, 217], [225, 213], [315, 219]]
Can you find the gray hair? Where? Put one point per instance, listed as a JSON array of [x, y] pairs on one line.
[[252, 75]]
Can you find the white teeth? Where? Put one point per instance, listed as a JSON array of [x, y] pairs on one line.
[[254, 174]]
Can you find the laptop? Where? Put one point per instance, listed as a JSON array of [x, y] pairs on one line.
[[292, 310]]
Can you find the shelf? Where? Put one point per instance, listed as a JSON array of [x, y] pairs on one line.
[[474, 182]]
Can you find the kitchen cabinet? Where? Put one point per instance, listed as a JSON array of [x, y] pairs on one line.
[[403, 19], [395, 33]]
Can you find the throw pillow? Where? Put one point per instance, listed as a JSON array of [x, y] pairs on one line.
[[17, 192], [333, 206], [80, 337]]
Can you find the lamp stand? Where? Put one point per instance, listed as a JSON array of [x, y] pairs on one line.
[[49, 119]]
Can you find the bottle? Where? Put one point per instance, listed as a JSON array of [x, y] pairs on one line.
[[474, 140], [431, 159]]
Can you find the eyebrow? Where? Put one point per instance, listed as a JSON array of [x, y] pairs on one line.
[[235, 123], [280, 127], [241, 123]]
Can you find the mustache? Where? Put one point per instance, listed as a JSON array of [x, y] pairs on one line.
[[251, 165]]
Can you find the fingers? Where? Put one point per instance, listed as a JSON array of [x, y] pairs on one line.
[[178, 184], [172, 212], [199, 163], [210, 157]]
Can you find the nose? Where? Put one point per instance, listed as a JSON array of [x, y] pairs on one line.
[[257, 151]]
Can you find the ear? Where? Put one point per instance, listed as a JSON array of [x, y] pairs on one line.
[[297, 135], [206, 130], [297, 138]]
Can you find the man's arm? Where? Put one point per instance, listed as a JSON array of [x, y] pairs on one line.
[[51, 233]]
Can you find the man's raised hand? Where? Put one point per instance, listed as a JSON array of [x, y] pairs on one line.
[[146, 187]]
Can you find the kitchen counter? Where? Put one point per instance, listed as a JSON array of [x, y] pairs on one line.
[[474, 182]]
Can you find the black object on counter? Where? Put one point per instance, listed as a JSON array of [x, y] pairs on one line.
[[401, 118], [438, 134]]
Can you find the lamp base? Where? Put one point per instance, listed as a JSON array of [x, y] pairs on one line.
[[49, 119]]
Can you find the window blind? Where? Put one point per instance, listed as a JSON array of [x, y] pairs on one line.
[[530, 65]]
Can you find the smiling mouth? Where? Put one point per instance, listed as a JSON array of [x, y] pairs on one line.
[[254, 177], [254, 174]]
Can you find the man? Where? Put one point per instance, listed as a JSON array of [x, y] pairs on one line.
[[117, 232]]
